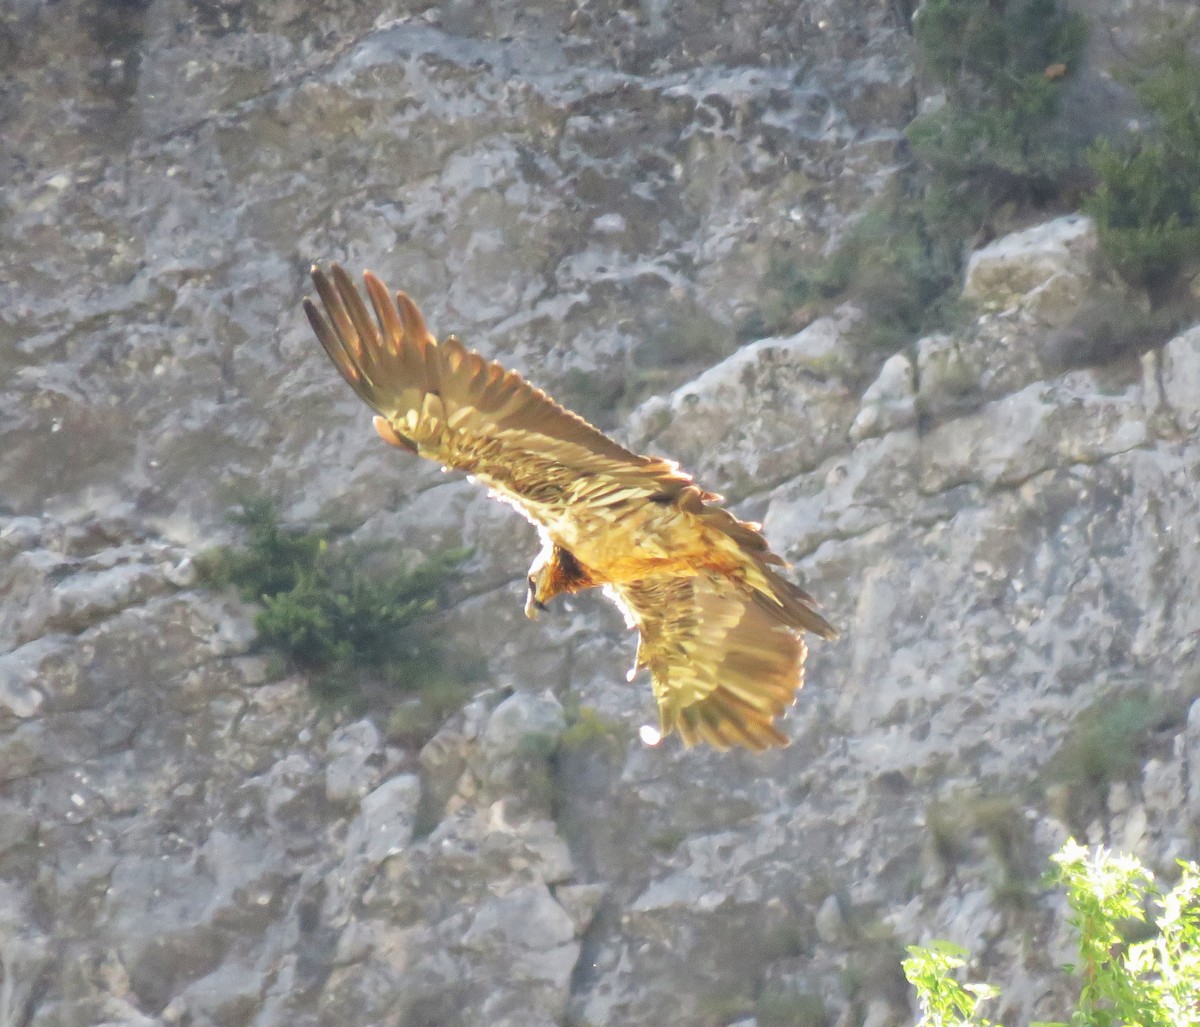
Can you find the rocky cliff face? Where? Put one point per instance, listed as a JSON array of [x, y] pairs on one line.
[[1002, 524]]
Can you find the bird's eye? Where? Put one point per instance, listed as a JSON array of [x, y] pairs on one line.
[[532, 584]]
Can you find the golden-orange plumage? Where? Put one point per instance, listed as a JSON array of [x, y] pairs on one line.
[[719, 628]]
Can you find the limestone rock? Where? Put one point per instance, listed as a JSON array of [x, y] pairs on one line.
[[520, 722], [355, 751], [830, 923], [889, 402], [1192, 742], [602, 196], [1047, 268], [949, 372], [385, 824], [527, 919], [19, 695], [779, 406], [1181, 379], [1042, 426], [580, 902]]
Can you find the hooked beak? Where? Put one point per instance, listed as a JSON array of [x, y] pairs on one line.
[[533, 607]]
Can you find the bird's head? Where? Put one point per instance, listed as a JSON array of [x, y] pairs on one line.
[[554, 572]]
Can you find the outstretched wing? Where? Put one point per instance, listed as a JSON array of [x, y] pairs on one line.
[[448, 403], [724, 663]]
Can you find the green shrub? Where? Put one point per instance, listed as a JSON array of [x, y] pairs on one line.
[[589, 730], [724, 1007], [943, 1001], [271, 558], [899, 274], [1109, 327], [955, 821], [993, 143], [1151, 982], [790, 1009], [667, 840], [1107, 741], [1147, 200], [1154, 982], [338, 611], [416, 719], [1003, 64]]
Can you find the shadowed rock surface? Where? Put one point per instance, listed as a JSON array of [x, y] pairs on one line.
[[596, 194]]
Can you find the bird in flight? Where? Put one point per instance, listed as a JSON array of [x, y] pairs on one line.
[[719, 628]]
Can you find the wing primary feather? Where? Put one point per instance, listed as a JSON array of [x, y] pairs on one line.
[[715, 717], [707, 725], [342, 359], [688, 728], [362, 360], [453, 353], [336, 310], [385, 311], [413, 320], [365, 330], [796, 605], [741, 733], [753, 705], [330, 343], [420, 343]]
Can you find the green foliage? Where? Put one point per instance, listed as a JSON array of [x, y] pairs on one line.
[[1154, 982], [1002, 821], [872, 966], [268, 563], [667, 840], [538, 745], [955, 823], [954, 820], [789, 1009], [785, 940], [724, 1007], [1147, 200], [993, 143], [335, 611], [1147, 217], [891, 266], [685, 334], [1107, 740], [1003, 64], [440, 694], [992, 46], [943, 1001], [899, 272], [588, 730], [853, 980]]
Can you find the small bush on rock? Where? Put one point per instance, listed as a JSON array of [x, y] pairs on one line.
[[1147, 200], [787, 1009], [1108, 742], [993, 144], [1003, 64], [338, 611], [901, 276]]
